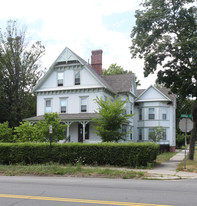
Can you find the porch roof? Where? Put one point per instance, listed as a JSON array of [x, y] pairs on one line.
[[66, 117]]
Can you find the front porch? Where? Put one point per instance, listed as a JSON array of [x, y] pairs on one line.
[[79, 127]]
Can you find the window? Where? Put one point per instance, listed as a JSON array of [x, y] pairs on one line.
[[164, 134], [48, 106], [124, 128], [63, 105], [151, 133], [140, 134], [140, 114], [77, 78], [164, 114], [131, 135], [151, 114], [60, 79], [131, 108], [83, 104]]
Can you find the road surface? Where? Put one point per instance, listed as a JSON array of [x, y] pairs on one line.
[[59, 191]]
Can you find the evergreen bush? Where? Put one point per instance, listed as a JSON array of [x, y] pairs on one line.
[[116, 154]]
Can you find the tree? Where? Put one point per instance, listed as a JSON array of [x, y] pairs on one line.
[[184, 106], [165, 36], [19, 72], [5, 132], [114, 69], [39, 132], [157, 134], [111, 116]]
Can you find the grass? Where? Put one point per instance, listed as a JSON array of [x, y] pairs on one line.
[[54, 169], [68, 170], [164, 157], [191, 165]]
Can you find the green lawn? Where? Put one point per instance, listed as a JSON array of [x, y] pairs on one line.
[[78, 170], [164, 157], [68, 170], [191, 165]]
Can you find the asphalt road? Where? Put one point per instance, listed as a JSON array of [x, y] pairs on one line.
[[58, 191]]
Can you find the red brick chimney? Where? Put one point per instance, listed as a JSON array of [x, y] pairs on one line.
[[96, 60]]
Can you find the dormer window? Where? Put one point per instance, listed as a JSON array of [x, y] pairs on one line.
[[60, 79], [77, 78]]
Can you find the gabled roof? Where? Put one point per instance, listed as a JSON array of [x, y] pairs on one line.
[[120, 82], [69, 55], [165, 92]]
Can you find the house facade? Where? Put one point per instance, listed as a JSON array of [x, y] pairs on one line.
[[70, 88]]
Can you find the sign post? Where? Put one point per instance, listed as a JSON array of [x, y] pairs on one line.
[[50, 132], [185, 125]]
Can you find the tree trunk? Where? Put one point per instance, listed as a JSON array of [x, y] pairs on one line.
[[193, 133]]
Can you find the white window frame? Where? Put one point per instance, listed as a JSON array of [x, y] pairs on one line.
[[165, 134], [149, 131], [151, 115], [77, 81], [81, 99], [60, 79], [45, 109], [131, 108], [61, 99], [140, 134], [140, 113], [164, 114]]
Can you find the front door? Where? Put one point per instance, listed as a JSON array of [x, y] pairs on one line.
[[80, 132]]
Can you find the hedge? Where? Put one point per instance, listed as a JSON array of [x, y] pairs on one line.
[[117, 154]]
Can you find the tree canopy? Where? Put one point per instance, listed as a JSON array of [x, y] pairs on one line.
[[165, 36], [111, 116], [39, 132], [19, 72], [114, 69]]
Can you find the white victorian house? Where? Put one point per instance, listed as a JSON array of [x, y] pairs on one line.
[[70, 88]]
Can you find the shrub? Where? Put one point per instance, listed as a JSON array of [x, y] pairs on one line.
[[24, 132], [119, 154], [39, 132], [5, 132], [180, 140]]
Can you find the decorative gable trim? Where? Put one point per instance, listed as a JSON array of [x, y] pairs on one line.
[[150, 100], [65, 56]]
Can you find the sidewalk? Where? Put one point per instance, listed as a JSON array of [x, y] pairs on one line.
[[167, 170]]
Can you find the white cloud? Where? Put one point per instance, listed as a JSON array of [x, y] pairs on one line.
[[78, 25]]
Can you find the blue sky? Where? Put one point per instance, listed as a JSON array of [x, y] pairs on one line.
[[82, 26]]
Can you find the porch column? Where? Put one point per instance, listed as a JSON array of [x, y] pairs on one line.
[[68, 129], [84, 126]]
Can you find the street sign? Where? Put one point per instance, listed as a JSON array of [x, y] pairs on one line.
[[50, 129], [186, 115], [186, 125]]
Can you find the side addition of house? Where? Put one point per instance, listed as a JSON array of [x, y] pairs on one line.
[[155, 108]]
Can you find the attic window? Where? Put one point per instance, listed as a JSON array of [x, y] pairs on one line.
[[60, 79], [60, 63], [72, 62], [77, 78]]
